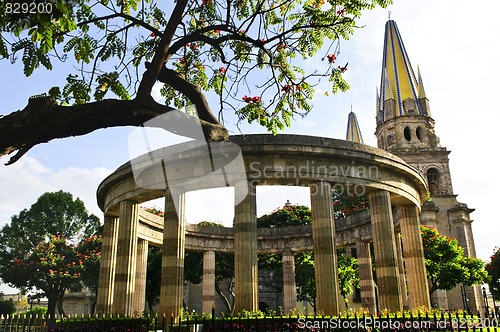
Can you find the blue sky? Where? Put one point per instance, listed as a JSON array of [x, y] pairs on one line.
[[453, 43]]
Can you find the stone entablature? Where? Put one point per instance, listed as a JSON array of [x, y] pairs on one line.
[[270, 240], [269, 160]]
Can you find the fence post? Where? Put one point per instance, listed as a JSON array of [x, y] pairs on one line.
[[213, 318]]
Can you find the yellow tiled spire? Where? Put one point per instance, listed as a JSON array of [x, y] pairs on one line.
[[398, 84], [353, 131]]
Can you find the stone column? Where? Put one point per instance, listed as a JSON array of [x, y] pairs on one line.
[[106, 282], [325, 256], [208, 281], [289, 288], [123, 301], [401, 268], [172, 263], [245, 247], [366, 283], [385, 251], [418, 289], [140, 277]]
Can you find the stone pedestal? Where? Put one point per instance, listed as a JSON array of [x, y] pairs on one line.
[[245, 247], [366, 283], [418, 289], [123, 299], [208, 281], [289, 287], [107, 267], [325, 256], [172, 276], [389, 292]]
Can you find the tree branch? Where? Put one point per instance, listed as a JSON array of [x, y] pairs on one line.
[[191, 91], [43, 120], [150, 76]]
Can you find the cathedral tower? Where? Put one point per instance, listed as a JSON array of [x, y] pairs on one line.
[[405, 128], [404, 123]]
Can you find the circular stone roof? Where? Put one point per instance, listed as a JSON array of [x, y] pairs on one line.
[[265, 159]]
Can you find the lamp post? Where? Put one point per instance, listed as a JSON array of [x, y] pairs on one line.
[[465, 300], [486, 306], [30, 302]]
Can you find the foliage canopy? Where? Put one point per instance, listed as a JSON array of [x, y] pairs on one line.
[[38, 249], [446, 264], [248, 55], [493, 268]]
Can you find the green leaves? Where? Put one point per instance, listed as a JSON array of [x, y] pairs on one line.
[[446, 264], [35, 249], [261, 46], [83, 48], [76, 89], [110, 81], [493, 269]]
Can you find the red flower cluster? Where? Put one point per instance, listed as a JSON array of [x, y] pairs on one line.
[[286, 88], [342, 69], [341, 12], [331, 58], [222, 69], [249, 100]]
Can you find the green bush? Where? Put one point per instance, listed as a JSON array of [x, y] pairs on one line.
[[7, 307], [35, 311]]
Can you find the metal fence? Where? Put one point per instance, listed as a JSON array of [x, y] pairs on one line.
[[420, 322]]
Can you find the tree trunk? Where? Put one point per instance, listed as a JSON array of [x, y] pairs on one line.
[[225, 299], [51, 305], [60, 308], [93, 303], [432, 289], [345, 301]]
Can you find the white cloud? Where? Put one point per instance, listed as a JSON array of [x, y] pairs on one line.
[[26, 180]]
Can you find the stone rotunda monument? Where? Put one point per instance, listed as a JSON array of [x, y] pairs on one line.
[[396, 177]]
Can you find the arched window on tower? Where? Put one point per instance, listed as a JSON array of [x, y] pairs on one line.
[[418, 132], [407, 133], [433, 180]]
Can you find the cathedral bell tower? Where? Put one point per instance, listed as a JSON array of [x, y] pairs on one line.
[[405, 128], [404, 124]]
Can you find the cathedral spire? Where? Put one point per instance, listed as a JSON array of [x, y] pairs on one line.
[[421, 90], [401, 91], [353, 132], [403, 113]]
